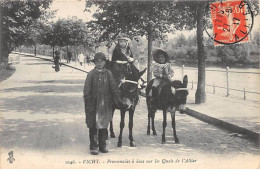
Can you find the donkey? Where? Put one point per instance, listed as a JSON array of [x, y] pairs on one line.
[[172, 97], [128, 85]]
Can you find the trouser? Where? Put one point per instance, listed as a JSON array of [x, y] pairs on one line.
[[97, 138], [154, 91]]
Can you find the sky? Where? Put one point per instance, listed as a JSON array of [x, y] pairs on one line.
[[69, 8]]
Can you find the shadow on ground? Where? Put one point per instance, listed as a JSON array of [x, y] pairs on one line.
[[72, 81], [44, 104], [47, 88], [42, 135]]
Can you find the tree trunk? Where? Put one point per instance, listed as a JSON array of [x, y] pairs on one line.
[[149, 62], [35, 50], [53, 51], [200, 96]]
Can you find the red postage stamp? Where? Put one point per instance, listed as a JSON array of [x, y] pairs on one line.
[[232, 21]]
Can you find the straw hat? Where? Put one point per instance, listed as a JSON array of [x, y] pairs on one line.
[[98, 55], [156, 54], [123, 36]]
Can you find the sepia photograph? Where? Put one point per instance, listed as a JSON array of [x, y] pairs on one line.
[[129, 84]]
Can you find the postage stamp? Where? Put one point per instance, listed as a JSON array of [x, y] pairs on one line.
[[232, 21]]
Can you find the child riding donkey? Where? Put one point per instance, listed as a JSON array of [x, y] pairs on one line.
[[122, 54], [162, 72]]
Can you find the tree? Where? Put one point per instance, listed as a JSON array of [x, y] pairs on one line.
[[188, 9], [35, 33], [16, 18], [181, 40], [66, 32], [134, 18], [145, 17], [200, 95], [47, 36]]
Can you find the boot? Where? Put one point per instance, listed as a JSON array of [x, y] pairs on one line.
[[93, 141], [102, 135]]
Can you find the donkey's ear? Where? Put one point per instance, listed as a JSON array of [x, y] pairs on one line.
[[185, 81], [142, 72]]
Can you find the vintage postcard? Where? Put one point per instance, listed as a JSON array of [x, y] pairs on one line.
[[92, 84]]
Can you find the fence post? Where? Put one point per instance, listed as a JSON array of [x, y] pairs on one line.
[[244, 94], [76, 56], [182, 71], [227, 69], [214, 90], [84, 61]]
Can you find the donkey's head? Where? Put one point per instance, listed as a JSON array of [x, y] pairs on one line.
[[130, 89], [128, 83], [180, 92]]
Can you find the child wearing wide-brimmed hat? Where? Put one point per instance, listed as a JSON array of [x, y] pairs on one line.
[[161, 70], [122, 54], [100, 93]]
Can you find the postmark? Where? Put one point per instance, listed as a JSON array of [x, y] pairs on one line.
[[232, 22]]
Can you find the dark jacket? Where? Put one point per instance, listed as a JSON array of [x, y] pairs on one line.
[[118, 55], [100, 92]]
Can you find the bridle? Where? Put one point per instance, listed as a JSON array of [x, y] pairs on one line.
[[129, 81], [179, 89], [125, 80]]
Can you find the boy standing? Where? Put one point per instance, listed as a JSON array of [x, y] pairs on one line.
[[100, 91]]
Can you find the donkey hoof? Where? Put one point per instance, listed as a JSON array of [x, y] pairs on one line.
[[154, 133], [132, 144], [163, 141], [148, 132], [119, 144], [112, 135], [177, 141]]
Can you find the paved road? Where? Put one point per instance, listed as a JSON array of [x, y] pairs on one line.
[[42, 121]]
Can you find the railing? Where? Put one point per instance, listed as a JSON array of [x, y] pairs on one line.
[[227, 80]]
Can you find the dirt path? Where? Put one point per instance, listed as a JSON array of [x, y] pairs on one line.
[[43, 123]]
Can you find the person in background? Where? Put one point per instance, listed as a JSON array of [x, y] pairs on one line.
[[57, 60], [88, 59], [81, 58], [69, 57]]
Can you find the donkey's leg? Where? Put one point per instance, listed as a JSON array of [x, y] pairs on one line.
[[148, 127], [112, 134], [122, 125], [131, 123], [164, 125], [174, 126], [149, 116], [152, 117]]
